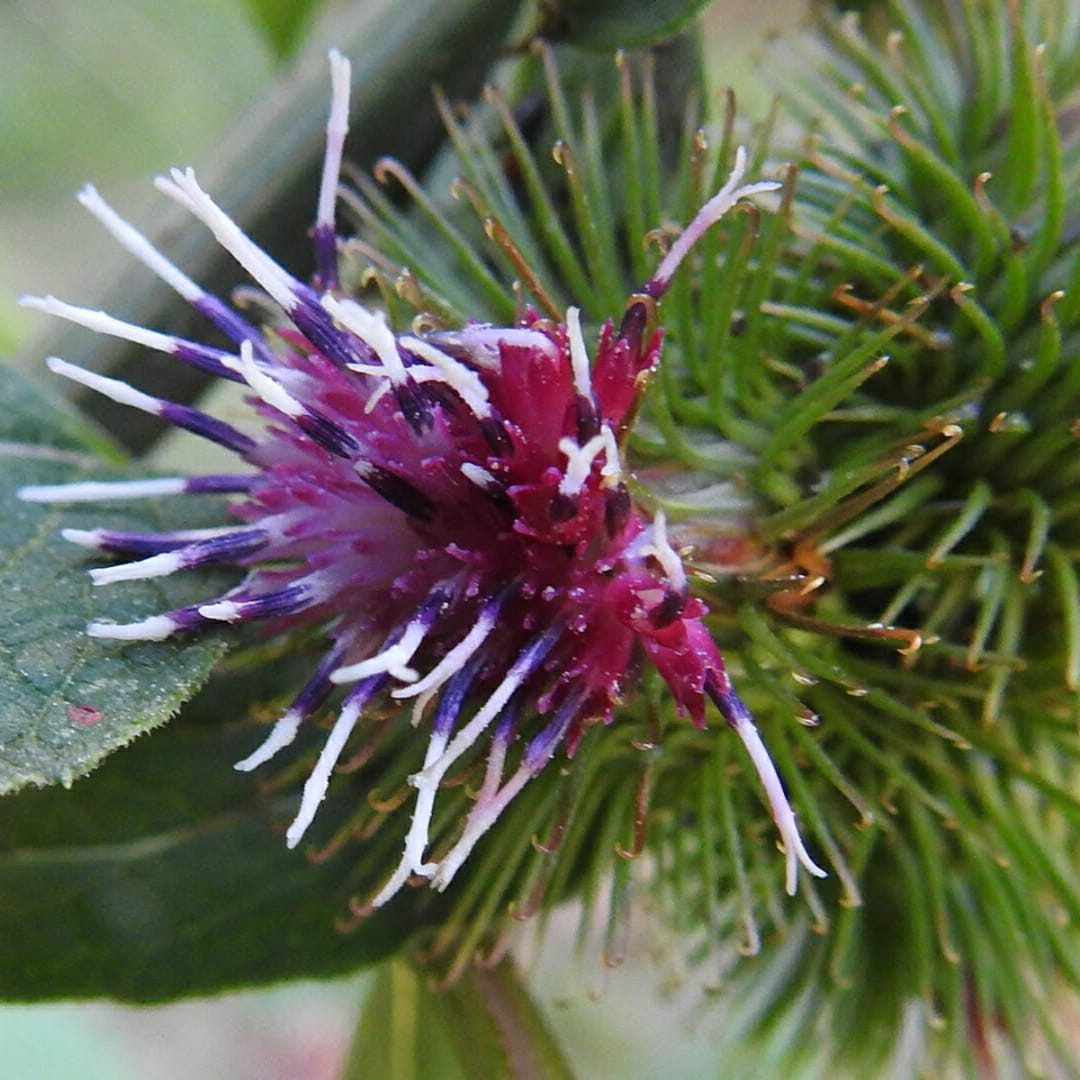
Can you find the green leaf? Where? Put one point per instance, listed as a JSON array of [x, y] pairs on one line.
[[65, 700], [614, 24], [33, 414], [399, 1036], [483, 1027], [163, 875], [282, 21]]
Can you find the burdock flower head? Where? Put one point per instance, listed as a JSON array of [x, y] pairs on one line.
[[452, 506]]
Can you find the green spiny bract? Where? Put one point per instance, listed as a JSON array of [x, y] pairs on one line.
[[864, 429]]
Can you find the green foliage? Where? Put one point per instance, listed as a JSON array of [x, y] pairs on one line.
[[613, 24], [941, 181], [164, 876], [65, 701], [282, 22], [482, 1027]]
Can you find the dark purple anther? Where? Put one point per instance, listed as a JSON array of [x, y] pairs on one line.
[[208, 427], [654, 288], [732, 707], [330, 436], [454, 693], [227, 548], [587, 418], [317, 325], [495, 490], [435, 604], [415, 406], [226, 484], [317, 689], [534, 654], [134, 543], [396, 491], [285, 601], [634, 321], [504, 730], [494, 432], [563, 507], [541, 747], [232, 324], [203, 357], [324, 243], [668, 610], [617, 509], [187, 618]]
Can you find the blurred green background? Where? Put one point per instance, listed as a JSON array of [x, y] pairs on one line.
[[112, 91]]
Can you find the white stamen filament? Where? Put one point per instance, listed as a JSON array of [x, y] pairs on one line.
[[482, 343], [271, 391], [490, 803], [115, 389], [665, 554], [794, 850], [579, 460], [85, 538], [416, 840], [380, 391], [223, 611], [134, 242], [579, 356], [162, 565], [612, 468], [94, 490], [452, 662], [337, 127], [478, 475], [444, 368], [156, 628], [382, 387], [371, 327], [184, 189], [481, 818], [319, 780], [437, 761], [101, 322], [493, 772], [710, 214], [281, 735], [393, 660]]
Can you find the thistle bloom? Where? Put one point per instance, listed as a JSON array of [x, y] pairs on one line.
[[451, 506]]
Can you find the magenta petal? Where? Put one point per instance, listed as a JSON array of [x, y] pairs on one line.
[[452, 508]]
